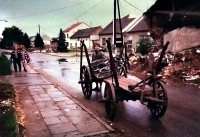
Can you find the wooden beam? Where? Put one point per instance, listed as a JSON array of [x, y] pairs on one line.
[[177, 12]]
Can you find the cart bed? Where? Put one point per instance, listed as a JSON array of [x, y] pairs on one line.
[[125, 82]]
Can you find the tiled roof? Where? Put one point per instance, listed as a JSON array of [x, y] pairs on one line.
[[72, 26], [140, 26], [84, 32], [109, 28], [46, 37]]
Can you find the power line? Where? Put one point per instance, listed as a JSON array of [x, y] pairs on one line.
[[77, 16], [133, 6], [47, 12], [49, 31]]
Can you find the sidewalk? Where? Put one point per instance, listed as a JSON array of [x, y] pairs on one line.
[[48, 111]]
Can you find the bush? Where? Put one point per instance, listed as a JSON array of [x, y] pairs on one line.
[[8, 121], [8, 124], [144, 46], [4, 66]]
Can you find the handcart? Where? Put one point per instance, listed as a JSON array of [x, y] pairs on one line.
[[97, 71], [150, 91]]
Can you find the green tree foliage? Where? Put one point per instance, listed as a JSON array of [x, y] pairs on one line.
[[39, 41], [11, 34], [26, 41], [62, 46], [144, 46]]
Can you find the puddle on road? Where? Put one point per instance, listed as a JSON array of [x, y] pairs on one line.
[[65, 69], [41, 61]]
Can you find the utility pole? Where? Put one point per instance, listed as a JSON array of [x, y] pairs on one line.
[[39, 28]]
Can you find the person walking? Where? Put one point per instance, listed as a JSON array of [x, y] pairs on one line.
[[16, 57], [25, 58]]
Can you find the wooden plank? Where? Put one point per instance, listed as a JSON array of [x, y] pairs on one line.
[[125, 82]]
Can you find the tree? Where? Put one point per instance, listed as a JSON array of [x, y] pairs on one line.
[[39, 42], [62, 46], [144, 46], [10, 35], [26, 41]]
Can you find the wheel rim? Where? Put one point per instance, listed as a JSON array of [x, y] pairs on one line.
[[87, 84], [158, 110], [122, 71], [110, 106]]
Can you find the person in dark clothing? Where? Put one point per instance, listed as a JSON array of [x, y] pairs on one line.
[[16, 57], [97, 55]]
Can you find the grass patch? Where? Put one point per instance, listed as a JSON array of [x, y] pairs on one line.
[[4, 66], [8, 122]]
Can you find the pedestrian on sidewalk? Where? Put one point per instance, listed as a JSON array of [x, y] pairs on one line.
[[16, 57], [25, 58]]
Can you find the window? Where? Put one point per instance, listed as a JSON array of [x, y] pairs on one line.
[[129, 44], [67, 35], [103, 41]]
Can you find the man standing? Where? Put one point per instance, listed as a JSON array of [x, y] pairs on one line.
[[16, 56]]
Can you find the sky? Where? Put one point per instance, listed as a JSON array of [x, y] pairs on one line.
[[53, 15]]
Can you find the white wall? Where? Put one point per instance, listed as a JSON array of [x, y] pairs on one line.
[[87, 42], [74, 30], [46, 42]]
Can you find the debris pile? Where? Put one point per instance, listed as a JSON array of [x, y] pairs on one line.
[[184, 65]]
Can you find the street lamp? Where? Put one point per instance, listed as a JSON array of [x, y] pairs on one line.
[[4, 20]]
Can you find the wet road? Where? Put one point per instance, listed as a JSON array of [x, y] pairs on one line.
[[182, 118]]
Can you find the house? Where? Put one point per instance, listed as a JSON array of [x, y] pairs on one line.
[[89, 35], [73, 29], [136, 30], [46, 39], [133, 28], [176, 21], [107, 32], [32, 41]]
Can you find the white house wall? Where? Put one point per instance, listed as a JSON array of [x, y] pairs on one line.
[[74, 30], [87, 42], [135, 37], [47, 42], [94, 37]]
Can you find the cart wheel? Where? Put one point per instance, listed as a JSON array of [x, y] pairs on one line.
[[87, 82], [110, 105], [122, 71], [158, 110]]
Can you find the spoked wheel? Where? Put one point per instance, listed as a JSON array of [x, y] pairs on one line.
[[122, 71], [158, 109], [86, 82], [110, 105]]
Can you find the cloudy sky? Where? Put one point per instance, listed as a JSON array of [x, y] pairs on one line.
[[53, 15]]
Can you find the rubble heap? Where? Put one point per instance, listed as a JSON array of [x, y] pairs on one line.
[[184, 65]]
